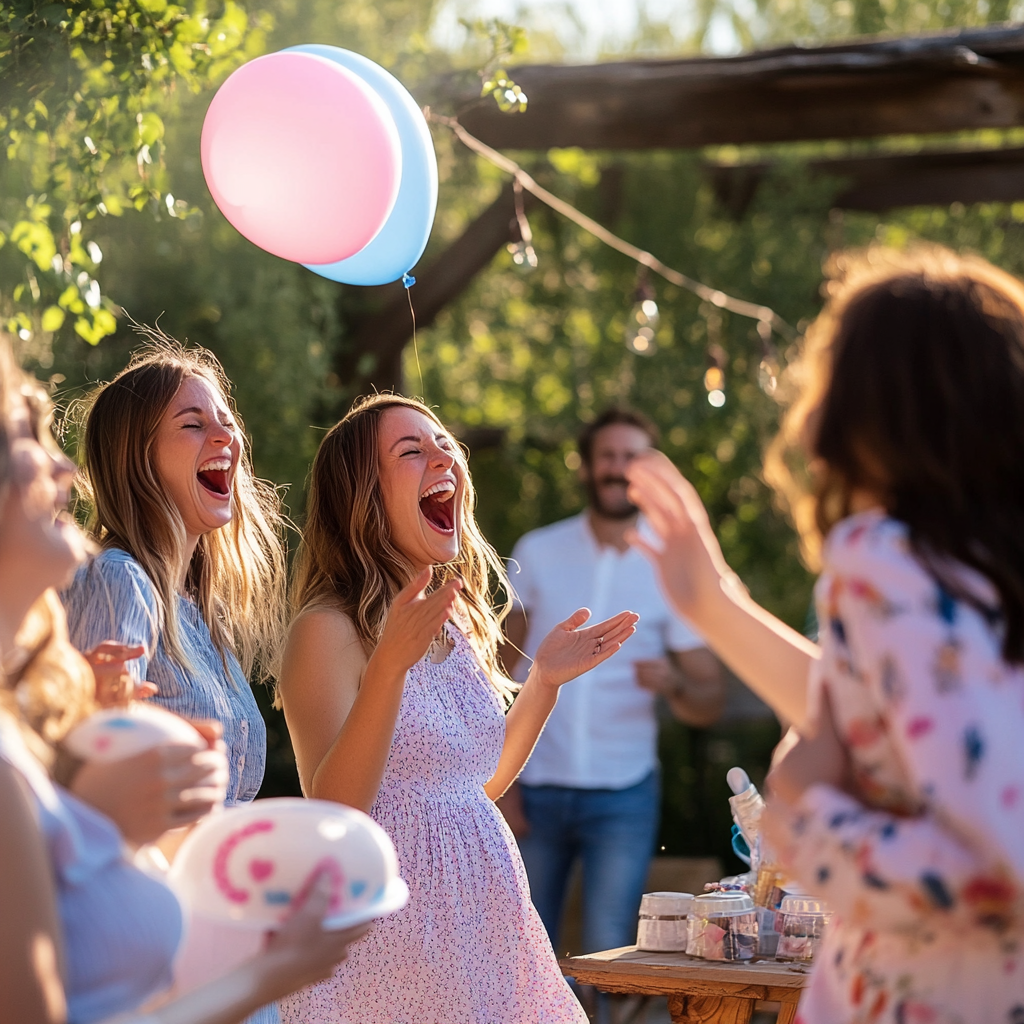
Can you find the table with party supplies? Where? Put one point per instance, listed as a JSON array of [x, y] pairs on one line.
[[699, 991]]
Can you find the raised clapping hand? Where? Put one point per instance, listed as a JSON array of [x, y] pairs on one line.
[[568, 651], [689, 563], [114, 683], [413, 622]]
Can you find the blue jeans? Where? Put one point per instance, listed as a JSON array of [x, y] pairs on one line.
[[613, 832]]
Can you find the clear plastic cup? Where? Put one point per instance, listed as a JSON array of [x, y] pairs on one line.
[[722, 926], [802, 923]]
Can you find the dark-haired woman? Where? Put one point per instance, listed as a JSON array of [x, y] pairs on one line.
[[902, 800]]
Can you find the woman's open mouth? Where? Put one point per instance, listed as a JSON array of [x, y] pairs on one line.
[[215, 476], [437, 507]]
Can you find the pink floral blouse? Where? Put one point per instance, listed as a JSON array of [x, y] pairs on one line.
[[925, 872]]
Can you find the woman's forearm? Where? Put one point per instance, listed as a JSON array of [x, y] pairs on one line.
[[523, 726], [351, 771], [770, 657]]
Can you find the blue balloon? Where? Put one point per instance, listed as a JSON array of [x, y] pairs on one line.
[[401, 241]]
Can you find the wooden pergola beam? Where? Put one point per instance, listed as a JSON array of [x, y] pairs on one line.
[[936, 83], [878, 183]]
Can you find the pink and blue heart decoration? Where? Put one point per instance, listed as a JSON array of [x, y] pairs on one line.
[[320, 156]]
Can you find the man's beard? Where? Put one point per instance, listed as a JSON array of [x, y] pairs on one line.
[[625, 510]]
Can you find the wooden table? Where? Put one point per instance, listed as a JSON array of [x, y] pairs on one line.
[[699, 991]]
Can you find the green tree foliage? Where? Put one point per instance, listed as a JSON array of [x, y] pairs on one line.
[[86, 87]]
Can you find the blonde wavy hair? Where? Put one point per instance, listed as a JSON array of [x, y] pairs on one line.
[[237, 575], [347, 559], [47, 685]]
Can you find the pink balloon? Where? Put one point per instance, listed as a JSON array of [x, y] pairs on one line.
[[302, 157]]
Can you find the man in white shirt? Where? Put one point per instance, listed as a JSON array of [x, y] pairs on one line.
[[590, 791]]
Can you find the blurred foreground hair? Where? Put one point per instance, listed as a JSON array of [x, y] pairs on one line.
[[46, 685], [911, 386], [347, 559], [237, 575]]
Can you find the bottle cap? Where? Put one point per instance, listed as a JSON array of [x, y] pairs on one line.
[[738, 779]]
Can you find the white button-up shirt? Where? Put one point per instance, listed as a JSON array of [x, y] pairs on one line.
[[603, 731]]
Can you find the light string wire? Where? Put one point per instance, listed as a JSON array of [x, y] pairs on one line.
[[763, 314]]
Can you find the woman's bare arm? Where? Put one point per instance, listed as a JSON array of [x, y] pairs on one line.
[[565, 653], [31, 987], [341, 724], [341, 707], [770, 657]]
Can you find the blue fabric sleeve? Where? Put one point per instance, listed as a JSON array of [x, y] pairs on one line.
[[112, 598]]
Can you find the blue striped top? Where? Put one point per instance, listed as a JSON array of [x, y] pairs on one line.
[[112, 598]]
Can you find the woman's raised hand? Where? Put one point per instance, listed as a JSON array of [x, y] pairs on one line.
[[414, 620], [568, 651], [689, 562], [114, 683]]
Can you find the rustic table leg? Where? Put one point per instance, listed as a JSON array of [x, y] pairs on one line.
[[787, 1013], [710, 1009]]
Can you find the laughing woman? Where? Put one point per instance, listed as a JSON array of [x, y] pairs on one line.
[[191, 568], [395, 705]]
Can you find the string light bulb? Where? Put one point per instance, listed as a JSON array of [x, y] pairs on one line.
[[644, 317], [524, 256], [714, 376]]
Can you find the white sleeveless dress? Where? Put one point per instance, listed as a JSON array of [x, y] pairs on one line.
[[469, 948]]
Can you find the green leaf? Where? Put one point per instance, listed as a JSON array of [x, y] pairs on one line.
[[52, 319], [151, 128]]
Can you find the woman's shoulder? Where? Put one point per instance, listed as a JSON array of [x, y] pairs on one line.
[[322, 623], [871, 551], [870, 554], [113, 564], [114, 577]]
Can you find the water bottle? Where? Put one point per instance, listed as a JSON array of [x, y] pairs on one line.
[[747, 805]]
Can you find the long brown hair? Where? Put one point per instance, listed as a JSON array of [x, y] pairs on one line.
[[237, 575], [911, 386], [47, 686], [347, 559]]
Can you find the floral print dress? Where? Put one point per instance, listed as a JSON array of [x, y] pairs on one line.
[[469, 947], [925, 871]]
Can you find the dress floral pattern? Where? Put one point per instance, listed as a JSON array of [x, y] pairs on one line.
[[469, 947], [925, 872]]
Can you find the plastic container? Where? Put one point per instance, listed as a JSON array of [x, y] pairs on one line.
[[802, 923], [116, 733], [722, 926], [663, 920], [768, 921]]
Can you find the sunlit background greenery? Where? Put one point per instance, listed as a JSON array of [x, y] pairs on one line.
[[103, 208]]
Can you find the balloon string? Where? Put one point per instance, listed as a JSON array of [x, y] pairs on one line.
[[408, 280]]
